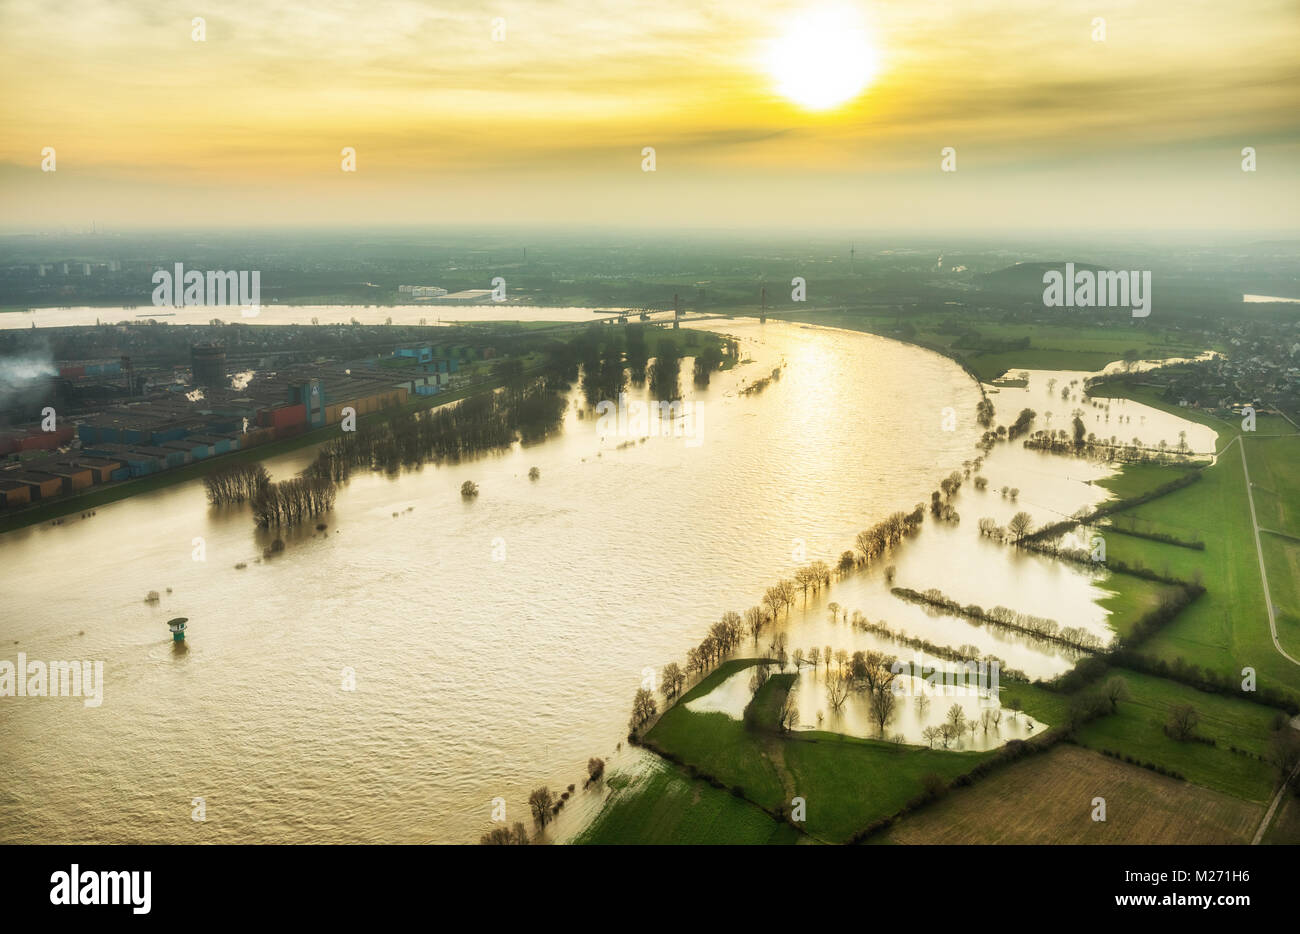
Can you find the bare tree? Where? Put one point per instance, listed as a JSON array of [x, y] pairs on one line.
[[883, 703], [500, 836], [643, 707], [754, 619], [773, 600], [541, 801], [1182, 721], [1020, 525], [957, 719], [837, 691], [673, 679], [789, 716], [788, 591]]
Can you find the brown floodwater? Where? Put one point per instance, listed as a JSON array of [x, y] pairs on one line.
[[495, 643]]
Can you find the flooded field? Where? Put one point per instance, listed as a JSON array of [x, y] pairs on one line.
[[495, 644]]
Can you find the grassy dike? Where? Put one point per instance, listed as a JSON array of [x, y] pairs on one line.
[[847, 783]]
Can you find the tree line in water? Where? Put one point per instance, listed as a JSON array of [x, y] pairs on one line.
[[528, 407]]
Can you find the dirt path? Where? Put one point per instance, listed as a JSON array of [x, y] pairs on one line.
[[1259, 553]]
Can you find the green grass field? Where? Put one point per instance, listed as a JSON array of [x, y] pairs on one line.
[[1274, 464], [1137, 479], [1046, 706], [765, 709], [665, 807], [1226, 629], [846, 782], [1130, 597], [1275, 471], [1137, 730]]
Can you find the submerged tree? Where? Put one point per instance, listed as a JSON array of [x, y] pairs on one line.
[[643, 707], [1020, 525], [665, 372], [788, 718], [837, 691], [542, 803]]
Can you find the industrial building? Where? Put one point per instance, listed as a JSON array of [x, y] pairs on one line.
[[174, 428], [16, 440], [208, 365], [422, 292], [468, 297]]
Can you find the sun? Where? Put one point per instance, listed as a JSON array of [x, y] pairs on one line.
[[825, 58]]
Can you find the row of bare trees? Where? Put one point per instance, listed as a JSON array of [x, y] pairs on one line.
[[488, 421], [235, 484], [1073, 636], [875, 541], [962, 653], [869, 672], [723, 636], [291, 502], [1020, 525], [957, 723]]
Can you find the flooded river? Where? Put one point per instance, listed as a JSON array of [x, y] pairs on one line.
[[493, 644]]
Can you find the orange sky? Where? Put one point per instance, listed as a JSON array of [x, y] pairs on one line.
[[1052, 129]]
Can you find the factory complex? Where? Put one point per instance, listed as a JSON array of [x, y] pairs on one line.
[[204, 417]]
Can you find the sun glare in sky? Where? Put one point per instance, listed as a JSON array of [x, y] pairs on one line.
[[824, 58]]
